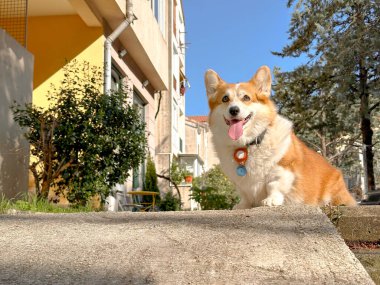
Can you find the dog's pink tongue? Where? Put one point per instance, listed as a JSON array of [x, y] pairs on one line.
[[236, 129]]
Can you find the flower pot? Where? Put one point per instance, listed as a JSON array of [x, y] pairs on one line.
[[188, 179]]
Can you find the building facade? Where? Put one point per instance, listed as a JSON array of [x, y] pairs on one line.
[[170, 124], [199, 142], [147, 55]]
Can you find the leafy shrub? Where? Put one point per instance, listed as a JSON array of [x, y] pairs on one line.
[[170, 202], [177, 172], [213, 190], [210, 199], [85, 142]]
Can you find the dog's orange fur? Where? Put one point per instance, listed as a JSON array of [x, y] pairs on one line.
[[316, 180]]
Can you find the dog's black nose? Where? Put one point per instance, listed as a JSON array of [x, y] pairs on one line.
[[234, 110]]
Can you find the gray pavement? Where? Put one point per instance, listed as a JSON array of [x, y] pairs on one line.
[[282, 245]]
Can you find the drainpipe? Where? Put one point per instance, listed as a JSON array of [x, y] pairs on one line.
[[108, 45]]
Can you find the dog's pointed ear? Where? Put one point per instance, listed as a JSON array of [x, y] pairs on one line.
[[212, 80], [263, 80]]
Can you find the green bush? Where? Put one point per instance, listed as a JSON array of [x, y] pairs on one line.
[[150, 183], [170, 203], [177, 172], [85, 142], [210, 199], [213, 190]]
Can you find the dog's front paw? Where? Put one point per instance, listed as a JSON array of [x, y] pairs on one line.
[[273, 200]]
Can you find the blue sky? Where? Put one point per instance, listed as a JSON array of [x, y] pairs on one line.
[[234, 40]]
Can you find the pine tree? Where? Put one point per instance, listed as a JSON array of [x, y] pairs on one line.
[[342, 40], [320, 118], [150, 183]]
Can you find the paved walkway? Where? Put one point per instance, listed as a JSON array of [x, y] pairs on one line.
[[284, 245]]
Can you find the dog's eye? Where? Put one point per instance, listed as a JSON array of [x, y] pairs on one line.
[[246, 98], [225, 98]]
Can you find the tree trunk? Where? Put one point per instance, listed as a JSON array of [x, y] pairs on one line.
[[366, 129], [175, 186]]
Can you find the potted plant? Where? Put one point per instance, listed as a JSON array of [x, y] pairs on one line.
[[188, 176]]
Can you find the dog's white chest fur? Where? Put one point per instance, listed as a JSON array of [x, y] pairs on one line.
[[266, 183]]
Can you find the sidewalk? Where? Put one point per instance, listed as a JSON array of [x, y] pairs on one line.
[[284, 245]]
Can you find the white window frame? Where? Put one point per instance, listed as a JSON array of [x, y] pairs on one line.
[[158, 8]]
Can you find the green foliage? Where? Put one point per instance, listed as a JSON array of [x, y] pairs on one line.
[[210, 199], [5, 204], [170, 202], [85, 142], [341, 40], [177, 172], [35, 204], [213, 190], [150, 183], [320, 118]]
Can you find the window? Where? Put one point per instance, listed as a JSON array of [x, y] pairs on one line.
[[139, 103], [175, 135], [138, 174], [175, 116], [175, 19], [116, 79], [158, 8], [175, 68]]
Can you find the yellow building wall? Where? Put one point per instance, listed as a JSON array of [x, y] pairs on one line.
[[55, 40]]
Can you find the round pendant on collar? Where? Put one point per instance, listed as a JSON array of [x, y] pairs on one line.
[[241, 155], [241, 170]]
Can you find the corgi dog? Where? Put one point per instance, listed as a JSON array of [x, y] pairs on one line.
[[259, 151]]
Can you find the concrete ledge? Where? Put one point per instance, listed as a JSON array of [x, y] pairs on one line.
[[284, 245], [356, 223]]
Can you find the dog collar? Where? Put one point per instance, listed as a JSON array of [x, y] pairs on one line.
[[241, 154], [257, 140]]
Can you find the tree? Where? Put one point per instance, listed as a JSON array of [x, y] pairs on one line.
[[85, 142], [213, 190], [342, 39], [320, 118], [175, 176], [150, 183]]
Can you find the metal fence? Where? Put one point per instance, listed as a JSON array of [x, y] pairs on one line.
[[13, 18]]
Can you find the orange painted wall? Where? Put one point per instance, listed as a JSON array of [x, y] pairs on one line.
[[54, 40]]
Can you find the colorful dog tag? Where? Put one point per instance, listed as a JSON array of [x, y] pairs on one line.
[[241, 155], [241, 170]]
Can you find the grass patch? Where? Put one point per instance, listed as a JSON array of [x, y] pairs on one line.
[[33, 204]]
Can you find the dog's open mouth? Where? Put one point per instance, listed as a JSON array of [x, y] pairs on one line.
[[234, 121], [235, 131]]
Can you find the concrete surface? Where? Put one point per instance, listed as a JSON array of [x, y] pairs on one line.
[[357, 223], [283, 245], [16, 85], [360, 224], [371, 262]]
